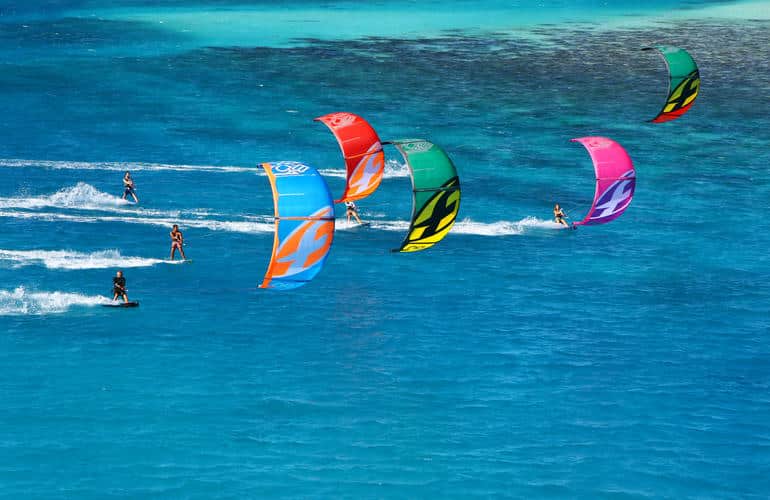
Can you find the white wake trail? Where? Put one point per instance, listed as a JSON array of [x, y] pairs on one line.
[[214, 225], [120, 166], [465, 226], [264, 224], [68, 259], [393, 168], [502, 228], [82, 196], [21, 302]]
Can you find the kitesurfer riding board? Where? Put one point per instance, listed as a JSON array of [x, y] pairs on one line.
[[351, 210], [128, 187], [177, 242], [119, 287], [119, 290], [559, 216]]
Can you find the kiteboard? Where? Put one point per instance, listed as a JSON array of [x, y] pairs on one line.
[[122, 304]]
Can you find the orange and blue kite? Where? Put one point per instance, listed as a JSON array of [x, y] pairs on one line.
[[304, 224]]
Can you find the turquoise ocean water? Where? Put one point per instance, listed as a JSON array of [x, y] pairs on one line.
[[511, 360]]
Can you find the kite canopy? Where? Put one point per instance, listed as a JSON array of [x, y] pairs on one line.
[[361, 147], [304, 224], [615, 180], [684, 82], [436, 193]]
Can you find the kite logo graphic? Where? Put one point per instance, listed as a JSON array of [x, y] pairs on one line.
[[684, 93], [339, 120], [435, 218], [681, 98], [305, 247], [368, 173], [417, 147], [600, 143], [615, 198], [285, 168]]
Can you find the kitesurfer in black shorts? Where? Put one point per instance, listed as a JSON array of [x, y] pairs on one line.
[[119, 287], [351, 210], [128, 187], [559, 215]]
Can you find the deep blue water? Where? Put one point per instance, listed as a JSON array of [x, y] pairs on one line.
[[511, 360]]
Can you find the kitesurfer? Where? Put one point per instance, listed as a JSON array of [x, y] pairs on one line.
[[119, 287], [351, 210], [128, 187], [177, 241], [559, 215]]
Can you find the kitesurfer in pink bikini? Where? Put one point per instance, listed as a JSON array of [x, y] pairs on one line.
[[177, 241], [559, 216]]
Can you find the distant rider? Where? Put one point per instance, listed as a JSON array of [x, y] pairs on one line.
[[559, 216], [128, 187], [177, 242], [119, 287], [351, 210]]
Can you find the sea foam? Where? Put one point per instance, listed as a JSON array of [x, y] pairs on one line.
[[68, 259], [212, 224], [20, 302], [465, 226], [82, 196], [393, 168], [120, 166]]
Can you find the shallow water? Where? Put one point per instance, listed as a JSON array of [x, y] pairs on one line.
[[512, 359]]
